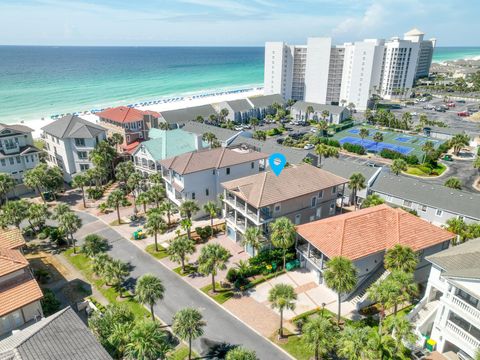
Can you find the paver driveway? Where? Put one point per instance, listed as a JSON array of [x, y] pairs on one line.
[[221, 327]]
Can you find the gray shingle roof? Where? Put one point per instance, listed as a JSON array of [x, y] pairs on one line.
[[181, 116], [459, 261], [294, 156], [303, 105], [61, 336], [241, 105], [72, 126], [425, 193], [265, 101], [16, 128], [200, 129]]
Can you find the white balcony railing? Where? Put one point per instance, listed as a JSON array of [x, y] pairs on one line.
[[462, 334], [462, 305]]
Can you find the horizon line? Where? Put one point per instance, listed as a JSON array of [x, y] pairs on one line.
[[180, 46]]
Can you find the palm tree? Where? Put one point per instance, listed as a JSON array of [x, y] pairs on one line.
[[59, 210], [119, 336], [123, 171], [189, 208], [476, 163], [69, 223], [400, 258], [356, 183], [240, 353], [398, 166], [322, 126], [254, 238], [382, 292], [372, 200], [155, 178], [363, 133], [14, 212], [378, 138], [325, 151], [167, 207], [179, 248], [37, 215], [103, 156], [380, 347], [325, 114], [212, 209], [186, 224], [6, 185], [155, 225], [282, 297], [79, 182], [341, 277], [188, 325], [318, 333], [209, 137], [427, 148], [115, 200], [352, 342], [223, 114], [100, 263], [458, 142], [33, 178], [254, 122], [94, 244], [309, 110], [147, 342], [144, 199], [157, 194], [213, 257], [115, 274], [282, 235], [148, 290], [405, 287], [116, 139], [401, 330], [200, 119], [453, 183], [133, 182]]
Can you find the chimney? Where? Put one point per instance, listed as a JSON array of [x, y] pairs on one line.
[[198, 142]]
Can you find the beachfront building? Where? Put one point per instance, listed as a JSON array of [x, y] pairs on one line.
[[363, 236], [164, 144], [263, 105], [239, 111], [302, 193], [17, 154], [62, 335], [20, 294], [332, 114], [432, 202], [224, 136], [449, 313], [173, 119], [197, 175], [323, 73], [131, 123], [68, 143]]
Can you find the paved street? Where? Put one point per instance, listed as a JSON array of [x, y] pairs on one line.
[[221, 326]]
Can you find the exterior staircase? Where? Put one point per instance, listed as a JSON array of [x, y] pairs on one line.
[[360, 294]]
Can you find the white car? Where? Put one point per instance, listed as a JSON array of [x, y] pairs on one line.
[[414, 113], [238, 128], [309, 147], [313, 130]]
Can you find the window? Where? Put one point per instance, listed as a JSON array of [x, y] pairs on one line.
[[320, 194], [298, 217], [82, 154], [252, 165], [79, 142], [228, 171], [26, 158], [11, 161], [407, 203], [334, 190], [332, 208], [193, 196], [213, 172], [207, 192], [439, 212], [277, 208], [314, 201], [84, 167], [424, 208], [319, 212], [3, 162]]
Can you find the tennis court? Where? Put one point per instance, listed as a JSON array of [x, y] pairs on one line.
[[396, 141]]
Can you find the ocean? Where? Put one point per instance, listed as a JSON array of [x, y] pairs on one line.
[[41, 81]]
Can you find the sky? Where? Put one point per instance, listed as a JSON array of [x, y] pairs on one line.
[[232, 22]]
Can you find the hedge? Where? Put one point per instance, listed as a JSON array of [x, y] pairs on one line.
[[354, 148]]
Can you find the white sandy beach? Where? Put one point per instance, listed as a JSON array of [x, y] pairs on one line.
[[188, 101]]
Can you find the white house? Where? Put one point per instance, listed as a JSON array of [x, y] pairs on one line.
[[17, 153], [68, 143], [334, 114], [449, 313], [197, 175]]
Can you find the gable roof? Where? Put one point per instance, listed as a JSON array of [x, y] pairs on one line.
[[11, 261], [369, 231], [264, 101], [332, 109], [181, 116], [60, 336], [266, 188], [240, 105], [125, 114], [210, 159], [18, 292], [72, 126], [167, 143], [459, 261], [15, 128], [11, 238], [221, 133], [425, 193]]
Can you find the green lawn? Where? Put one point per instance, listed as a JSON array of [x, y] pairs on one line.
[[421, 170], [189, 269], [83, 264], [221, 295], [160, 254], [294, 345], [181, 353]]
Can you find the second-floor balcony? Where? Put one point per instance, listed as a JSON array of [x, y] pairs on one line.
[[256, 215], [462, 306], [459, 332]]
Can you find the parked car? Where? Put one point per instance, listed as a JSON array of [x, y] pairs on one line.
[[297, 135], [313, 130], [280, 141], [247, 126], [463, 113], [238, 128], [414, 113], [429, 107], [472, 110], [451, 104], [439, 109], [461, 101], [309, 146]]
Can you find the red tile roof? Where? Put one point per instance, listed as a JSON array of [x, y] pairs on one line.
[[11, 238], [17, 294], [369, 231], [124, 114], [129, 148], [11, 261]]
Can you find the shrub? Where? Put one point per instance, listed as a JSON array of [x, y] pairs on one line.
[[425, 169], [50, 304], [94, 193], [274, 131], [204, 233], [354, 148], [329, 142], [269, 257], [412, 160], [232, 275], [43, 235], [393, 155], [57, 236], [241, 282], [42, 275]]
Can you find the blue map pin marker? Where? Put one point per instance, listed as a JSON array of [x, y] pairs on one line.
[[277, 162]]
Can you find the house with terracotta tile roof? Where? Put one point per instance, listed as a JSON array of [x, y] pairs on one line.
[[364, 236], [197, 175], [20, 294], [302, 193], [131, 123], [11, 238]]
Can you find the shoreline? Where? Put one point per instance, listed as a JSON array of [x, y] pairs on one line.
[[162, 104]]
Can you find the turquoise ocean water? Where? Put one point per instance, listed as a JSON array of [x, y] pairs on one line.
[[40, 81]]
